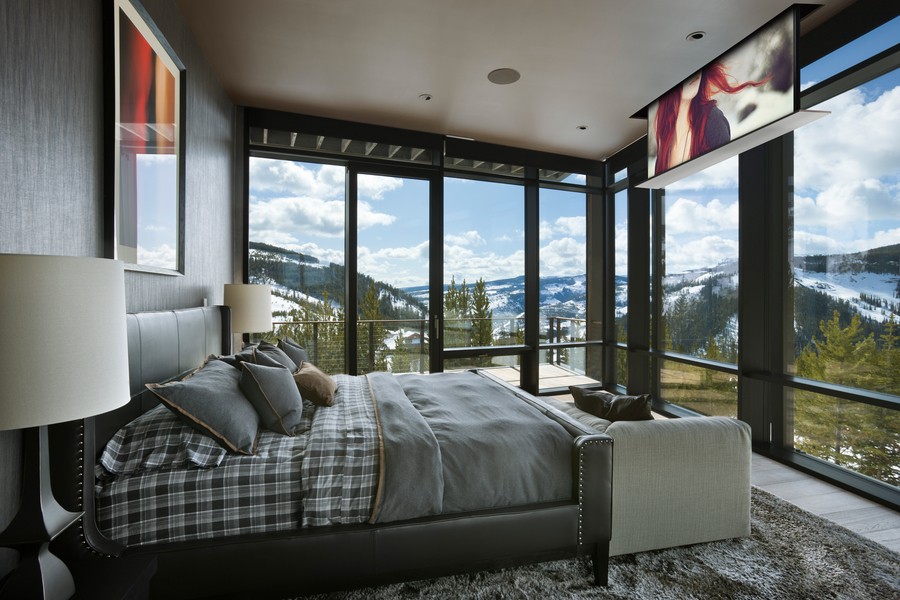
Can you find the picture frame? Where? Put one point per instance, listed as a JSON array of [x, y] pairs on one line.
[[145, 133]]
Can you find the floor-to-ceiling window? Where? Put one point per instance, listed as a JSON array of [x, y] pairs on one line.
[[484, 270], [344, 230], [699, 291], [620, 208], [393, 265], [296, 244], [563, 288], [845, 263]]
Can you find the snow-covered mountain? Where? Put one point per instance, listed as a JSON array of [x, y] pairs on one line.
[[559, 296], [868, 282]]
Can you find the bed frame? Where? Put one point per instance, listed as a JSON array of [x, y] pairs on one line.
[[164, 344]]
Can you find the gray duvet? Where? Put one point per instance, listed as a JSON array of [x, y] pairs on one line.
[[458, 442]]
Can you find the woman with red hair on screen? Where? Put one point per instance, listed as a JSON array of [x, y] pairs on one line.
[[688, 122]]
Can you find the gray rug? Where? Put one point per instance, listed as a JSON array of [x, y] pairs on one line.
[[790, 554]]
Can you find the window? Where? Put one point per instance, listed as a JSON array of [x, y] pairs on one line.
[[296, 244], [879, 39], [563, 284], [699, 292], [393, 265], [846, 242], [846, 279], [484, 269], [621, 275]]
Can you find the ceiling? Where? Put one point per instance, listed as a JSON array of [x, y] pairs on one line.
[[583, 63]]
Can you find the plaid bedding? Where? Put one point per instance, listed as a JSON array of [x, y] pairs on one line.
[[243, 494], [326, 474], [340, 473]]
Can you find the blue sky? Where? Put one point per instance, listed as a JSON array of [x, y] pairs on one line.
[[300, 206], [847, 199], [157, 212]]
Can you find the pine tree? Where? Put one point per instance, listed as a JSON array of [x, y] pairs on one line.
[[372, 349], [482, 320], [400, 359]]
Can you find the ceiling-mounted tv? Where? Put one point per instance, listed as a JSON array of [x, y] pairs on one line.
[[750, 87]]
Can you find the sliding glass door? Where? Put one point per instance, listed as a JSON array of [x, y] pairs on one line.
[[393, 273]]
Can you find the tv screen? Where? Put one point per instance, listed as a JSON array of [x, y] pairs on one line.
[[748, 87]]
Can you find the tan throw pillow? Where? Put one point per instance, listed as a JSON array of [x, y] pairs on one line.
[[314, 385]]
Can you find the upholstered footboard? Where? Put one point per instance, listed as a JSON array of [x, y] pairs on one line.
[[679, 481], [675, 481]]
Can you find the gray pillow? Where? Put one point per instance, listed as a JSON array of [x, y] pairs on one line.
[[591, 401], [297, 352], [235, 360], [274, 352], [612, 407], [210, 399], [274, 395]]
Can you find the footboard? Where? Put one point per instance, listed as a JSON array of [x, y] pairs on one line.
[[594, 480], [593, 476]]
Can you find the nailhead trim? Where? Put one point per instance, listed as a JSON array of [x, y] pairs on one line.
[[581, 483]]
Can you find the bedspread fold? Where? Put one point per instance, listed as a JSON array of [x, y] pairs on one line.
[[412, 482]]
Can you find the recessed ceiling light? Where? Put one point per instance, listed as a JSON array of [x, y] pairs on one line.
[[503, 76], [581, 127], [425, 97], [695, 36]]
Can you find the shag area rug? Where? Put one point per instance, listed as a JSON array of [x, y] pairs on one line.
[[790, 554]]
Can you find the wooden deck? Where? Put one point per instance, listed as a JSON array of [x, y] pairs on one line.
[[549, 376]]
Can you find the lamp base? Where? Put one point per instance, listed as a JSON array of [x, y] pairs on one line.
[[40, 518], [40, 575]]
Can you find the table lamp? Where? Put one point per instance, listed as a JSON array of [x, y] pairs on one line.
[[251, 307], [62, 320]]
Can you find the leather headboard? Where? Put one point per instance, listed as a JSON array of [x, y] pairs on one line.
[[161, 345]]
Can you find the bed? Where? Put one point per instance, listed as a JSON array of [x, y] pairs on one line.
[[450, 488]]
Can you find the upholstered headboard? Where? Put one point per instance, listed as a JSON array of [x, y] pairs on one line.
[[161, 345]]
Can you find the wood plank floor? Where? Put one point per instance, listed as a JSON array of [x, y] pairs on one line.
[[867, 518]]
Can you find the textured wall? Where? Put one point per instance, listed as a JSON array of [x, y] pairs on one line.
[[51, 163]]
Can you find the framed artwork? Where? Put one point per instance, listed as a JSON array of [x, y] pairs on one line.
[[145, 164]]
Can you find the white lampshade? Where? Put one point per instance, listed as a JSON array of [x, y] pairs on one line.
[[251, 307], [62, 321]]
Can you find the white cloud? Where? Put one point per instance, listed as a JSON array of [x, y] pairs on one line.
[[398, 266], [686, 216], [563, 226], [856, 142], [163, 256], [878, 240], [565, 256], [806, 244], [845, 206], [723, 175], [704, 252], [291, 220], [295, 218], [462, 263], [469, 238], [285, 178], [621, 245], [575, 226], [367, 216], [376, 186]]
